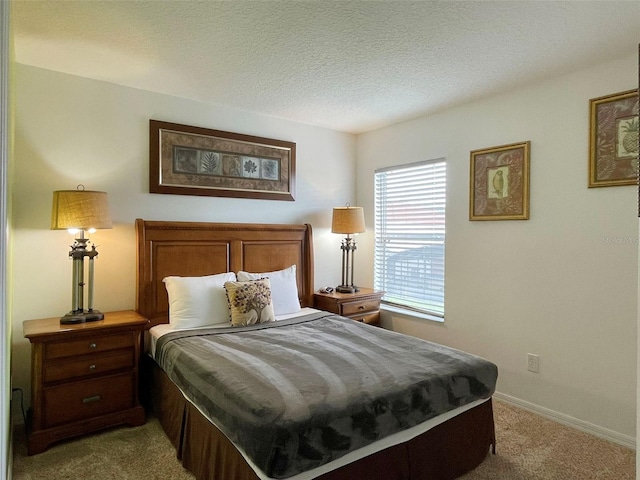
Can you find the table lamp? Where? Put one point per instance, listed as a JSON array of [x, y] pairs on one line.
[[80, 211], [348, 220]]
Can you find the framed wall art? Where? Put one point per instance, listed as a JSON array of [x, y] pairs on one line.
[[613, 140], [499, 183], [187, 160]]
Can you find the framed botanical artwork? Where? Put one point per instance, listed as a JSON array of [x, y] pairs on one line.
[[499, 183], [613, 140], [187, 160]]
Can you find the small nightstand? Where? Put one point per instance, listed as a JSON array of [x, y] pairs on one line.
[[84, 377], [362, 306]]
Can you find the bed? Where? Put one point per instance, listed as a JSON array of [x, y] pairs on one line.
[[442, 446]]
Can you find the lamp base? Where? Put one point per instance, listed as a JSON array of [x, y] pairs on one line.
[[82, 317], [347, 289]]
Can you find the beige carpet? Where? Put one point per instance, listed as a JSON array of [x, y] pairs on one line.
[[529, 448]]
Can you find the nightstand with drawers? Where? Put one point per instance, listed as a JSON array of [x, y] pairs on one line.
[[362, 306], [84, 377]]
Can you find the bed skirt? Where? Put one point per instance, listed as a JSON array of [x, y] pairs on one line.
[[444, 452]]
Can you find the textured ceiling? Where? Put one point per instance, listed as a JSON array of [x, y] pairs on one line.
[[349, 65]]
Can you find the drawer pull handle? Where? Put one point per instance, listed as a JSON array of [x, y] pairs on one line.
[[92, 367], [95, 398], [93, 346], [361, 307]]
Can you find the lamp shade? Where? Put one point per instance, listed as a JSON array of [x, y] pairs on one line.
[[348, 220], [81, 209]]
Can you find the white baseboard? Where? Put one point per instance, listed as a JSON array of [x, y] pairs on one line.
[[605, 433]]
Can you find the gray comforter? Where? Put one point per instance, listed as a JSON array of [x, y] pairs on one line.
[[299, 393]]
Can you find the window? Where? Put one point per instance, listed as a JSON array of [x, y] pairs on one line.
[[410, 234]]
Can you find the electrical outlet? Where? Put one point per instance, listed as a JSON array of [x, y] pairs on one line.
[[533, 362]]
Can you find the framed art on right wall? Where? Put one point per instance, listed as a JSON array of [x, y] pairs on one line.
[[499, 183], [613, 140]]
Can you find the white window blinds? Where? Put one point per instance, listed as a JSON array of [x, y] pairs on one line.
[[409, 235]]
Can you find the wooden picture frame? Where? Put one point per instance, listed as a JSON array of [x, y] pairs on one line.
[[613, 135], [188, 160], [499, 183]]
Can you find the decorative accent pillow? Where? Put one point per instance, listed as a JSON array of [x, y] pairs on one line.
[[198, 301], [250, 302], [284, 288]]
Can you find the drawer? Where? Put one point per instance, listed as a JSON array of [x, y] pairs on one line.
[[328, 304], [84, 365], [372, 318], [361, 306], [89, 398], [90, 344]]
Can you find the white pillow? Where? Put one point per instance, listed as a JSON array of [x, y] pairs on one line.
[[198, 301], [284, 288]]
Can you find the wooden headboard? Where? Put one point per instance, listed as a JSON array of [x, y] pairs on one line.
[[192, 249]]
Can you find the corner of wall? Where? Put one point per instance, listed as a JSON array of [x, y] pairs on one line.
[[6, 145], [638, 335]]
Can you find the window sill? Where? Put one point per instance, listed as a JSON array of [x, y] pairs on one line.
[[411, 313]]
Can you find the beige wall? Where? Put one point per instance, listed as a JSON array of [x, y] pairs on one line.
[[71, 130], [563, 284]]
